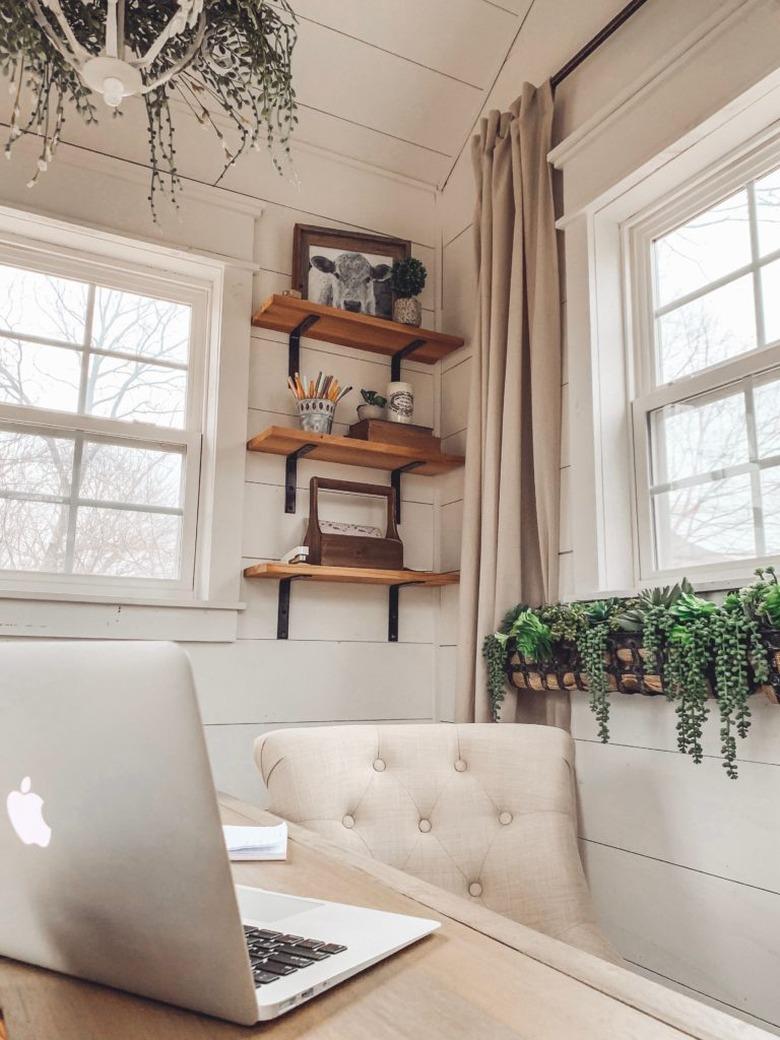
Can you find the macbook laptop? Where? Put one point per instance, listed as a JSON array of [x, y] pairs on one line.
[[113, 866]]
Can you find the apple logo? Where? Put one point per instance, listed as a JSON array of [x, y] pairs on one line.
[[25, 811]]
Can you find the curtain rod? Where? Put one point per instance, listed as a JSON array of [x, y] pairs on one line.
[[593, 45]]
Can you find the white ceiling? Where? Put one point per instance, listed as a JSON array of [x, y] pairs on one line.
[[401, 83]]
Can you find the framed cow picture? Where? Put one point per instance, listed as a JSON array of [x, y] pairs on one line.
[[346, 270]]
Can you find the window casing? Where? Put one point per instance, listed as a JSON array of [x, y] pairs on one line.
[[120, 507], [705, 300]]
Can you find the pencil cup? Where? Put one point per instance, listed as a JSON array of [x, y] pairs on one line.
[[316, 414]]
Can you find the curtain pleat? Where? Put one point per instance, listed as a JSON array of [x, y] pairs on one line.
[[509, 551]]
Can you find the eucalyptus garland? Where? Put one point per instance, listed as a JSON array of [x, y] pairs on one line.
[[241, 72]]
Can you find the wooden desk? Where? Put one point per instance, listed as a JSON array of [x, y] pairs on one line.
[[480, 977]]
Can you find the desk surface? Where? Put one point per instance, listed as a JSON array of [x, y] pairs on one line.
[[479, 977]]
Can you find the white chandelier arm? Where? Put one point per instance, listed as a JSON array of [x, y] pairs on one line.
[[112, 32], [189, 11], [183, 62], [77, 53]]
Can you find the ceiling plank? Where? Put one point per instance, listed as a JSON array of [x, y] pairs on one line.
[[457, 38], [349, 79]]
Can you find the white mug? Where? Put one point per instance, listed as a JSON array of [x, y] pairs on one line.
[[400, 402]]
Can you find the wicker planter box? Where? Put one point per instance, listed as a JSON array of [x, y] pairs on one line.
[[771, 690], [625, 666], [624, 661]]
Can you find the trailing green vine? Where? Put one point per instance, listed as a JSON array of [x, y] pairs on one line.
[[494, 652], [592, 646]]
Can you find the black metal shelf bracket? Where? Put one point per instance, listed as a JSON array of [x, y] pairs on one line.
[[395, 482], [283, 608], [291, 475], [392, 612], [397, 358], [294, 353]]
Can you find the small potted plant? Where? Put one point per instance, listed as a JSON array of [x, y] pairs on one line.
[[374, 406], [408, 281]]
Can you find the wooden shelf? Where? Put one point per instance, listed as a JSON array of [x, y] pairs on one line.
[[351, 575], [361, 331], [349, 451], [287, 573]]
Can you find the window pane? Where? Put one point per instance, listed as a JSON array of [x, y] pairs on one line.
[[136, 391], [768, 212], [703, 250], [698, 437], [143, 476], [770, 501], [770, 284], [766, 399], [34, 535], [40, 305], [705, 523], [710, 329], [126, 543], [38, 376], [35, 464], [141, 325]]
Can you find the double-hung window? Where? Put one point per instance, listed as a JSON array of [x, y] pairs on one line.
[[101, 402], [706, 281]]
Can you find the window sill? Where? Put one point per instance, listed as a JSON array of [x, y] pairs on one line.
[[116, 600], [69, 615]]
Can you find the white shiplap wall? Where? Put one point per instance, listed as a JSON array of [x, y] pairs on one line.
[[683, 863], [337, 664]]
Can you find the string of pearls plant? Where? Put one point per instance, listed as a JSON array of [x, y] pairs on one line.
[[228, 62], [696, 647]]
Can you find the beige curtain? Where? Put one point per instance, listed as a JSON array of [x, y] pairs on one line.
[[509, 548]]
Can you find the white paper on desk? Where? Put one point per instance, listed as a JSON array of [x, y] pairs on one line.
[[256, 842]]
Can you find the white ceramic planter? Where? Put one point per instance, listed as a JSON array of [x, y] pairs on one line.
[[400, 402], [370, 411]]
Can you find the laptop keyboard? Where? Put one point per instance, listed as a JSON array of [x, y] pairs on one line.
[[274, 955]]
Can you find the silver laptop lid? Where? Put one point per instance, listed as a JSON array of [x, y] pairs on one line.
[[112, 863]]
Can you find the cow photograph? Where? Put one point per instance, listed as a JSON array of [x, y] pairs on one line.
[[347, 271], [358, 282]]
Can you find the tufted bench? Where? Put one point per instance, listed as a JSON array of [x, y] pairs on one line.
[[485, 811]]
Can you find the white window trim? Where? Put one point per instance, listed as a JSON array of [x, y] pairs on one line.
[[218, 391], [601, 332], [128, 277], [645, 395]]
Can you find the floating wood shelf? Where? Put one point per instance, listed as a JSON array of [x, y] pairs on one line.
[[286, 573], [352, 575], [293, 444], [361, 331], [349, 451]]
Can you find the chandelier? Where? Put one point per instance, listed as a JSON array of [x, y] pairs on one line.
[[219, 58]]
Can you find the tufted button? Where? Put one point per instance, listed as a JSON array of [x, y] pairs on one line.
[[379, 765], [505, 818], [460, 765], [475, 889], [424, 825], [348, 821]]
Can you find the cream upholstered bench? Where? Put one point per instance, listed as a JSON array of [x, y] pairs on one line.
[[485, 811]]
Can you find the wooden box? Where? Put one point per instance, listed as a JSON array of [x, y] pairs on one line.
[[404, 434], [346, 550]]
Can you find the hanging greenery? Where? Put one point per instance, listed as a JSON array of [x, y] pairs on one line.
[[227, 61], [689, 647]]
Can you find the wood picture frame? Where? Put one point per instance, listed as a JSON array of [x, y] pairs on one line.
[[351, 270]]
